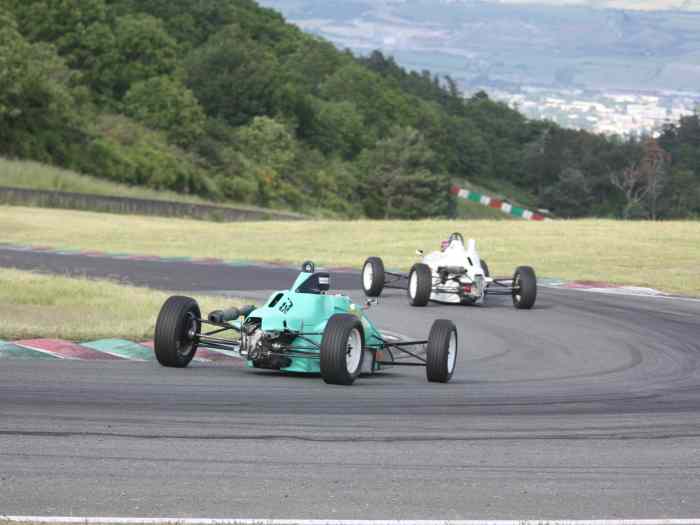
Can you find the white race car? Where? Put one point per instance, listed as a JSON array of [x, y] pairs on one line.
[[455, 275]]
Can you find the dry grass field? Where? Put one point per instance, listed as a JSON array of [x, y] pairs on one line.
[[662, 255], [35, 305]]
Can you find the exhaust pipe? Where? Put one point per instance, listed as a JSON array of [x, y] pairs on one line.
[[230, 314]]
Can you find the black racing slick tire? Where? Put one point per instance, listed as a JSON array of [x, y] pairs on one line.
[[420, 284], [485, 268], [373, 277], [342, 350], [441, 352], [177, 328], [524, 288]]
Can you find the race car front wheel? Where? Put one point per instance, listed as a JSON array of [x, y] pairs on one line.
[[342, 350], [441, 352], [420, 284], [176, 333], [373, 277], [524, 288]]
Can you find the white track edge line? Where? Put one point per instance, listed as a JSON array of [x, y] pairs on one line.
[[61, 356], [37, 349], [233, 521], [620, 293]]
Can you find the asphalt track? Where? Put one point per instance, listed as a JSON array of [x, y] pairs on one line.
[[588, 406], [164, 276]]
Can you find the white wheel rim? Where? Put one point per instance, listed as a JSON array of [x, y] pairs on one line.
[[413, 285], [367, 276], [452, 353], [354, 352]]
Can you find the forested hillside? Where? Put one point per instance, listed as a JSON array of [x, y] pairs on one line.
[[223, 99]]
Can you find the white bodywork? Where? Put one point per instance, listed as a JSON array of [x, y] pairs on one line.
[[456, 255]]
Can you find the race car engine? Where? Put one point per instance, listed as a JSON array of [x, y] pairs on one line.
[[252, 338], [264, 349]]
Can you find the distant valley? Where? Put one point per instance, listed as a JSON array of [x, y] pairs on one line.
[[502, 44], [589, 46]]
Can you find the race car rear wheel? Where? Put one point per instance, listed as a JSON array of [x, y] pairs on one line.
[[524, 288], [373, 277], [176, 332], [342, 350], [420, 284], [485, 268], [441, 351]]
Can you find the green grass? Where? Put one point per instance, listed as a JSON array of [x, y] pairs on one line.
[[662, 255], [35, 305], [37, 176]]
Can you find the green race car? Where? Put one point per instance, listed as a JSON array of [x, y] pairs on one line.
[[304, 329]]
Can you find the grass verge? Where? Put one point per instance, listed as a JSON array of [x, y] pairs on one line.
[[36, 305], [662, 255], [37, 176]]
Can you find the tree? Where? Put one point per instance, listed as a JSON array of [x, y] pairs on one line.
[[398, 178], [267, 149], [38, 113], [632, 183], [135, 49], [166, 104], [143, 49], [654, 165], [682, 194], [374, 99], [571, 196], [338, 128], [643, 180], [470, 154], [61, 22], [233, 77]]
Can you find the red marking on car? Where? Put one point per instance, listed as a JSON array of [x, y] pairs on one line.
[[65, 349], [467, 288]]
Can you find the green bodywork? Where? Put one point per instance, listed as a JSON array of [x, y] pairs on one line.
[[308, 313]]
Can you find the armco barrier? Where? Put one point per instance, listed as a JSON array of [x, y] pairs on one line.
[[128, 205], [497, 204]]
